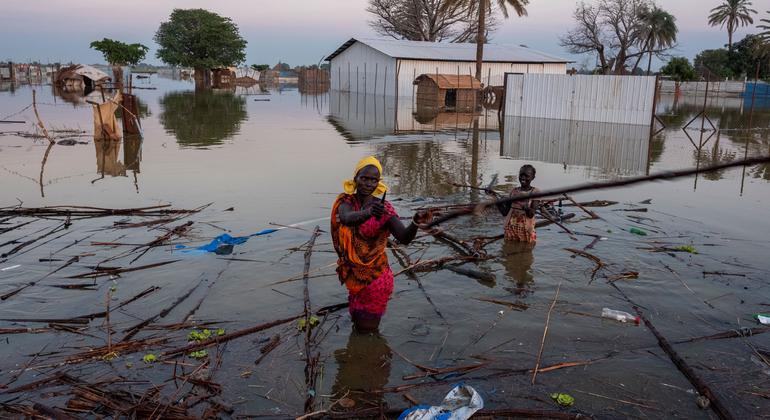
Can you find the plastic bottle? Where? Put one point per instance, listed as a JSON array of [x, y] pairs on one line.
[[619, 316]]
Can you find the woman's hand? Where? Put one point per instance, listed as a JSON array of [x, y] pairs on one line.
[[376, 209], [422, 217]]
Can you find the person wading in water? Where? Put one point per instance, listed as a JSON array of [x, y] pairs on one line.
[[519, 225], [360, 225]]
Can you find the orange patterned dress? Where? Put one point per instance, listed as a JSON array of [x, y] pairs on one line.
[[362, 265]]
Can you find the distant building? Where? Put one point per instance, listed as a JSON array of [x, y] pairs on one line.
[[390, 67]]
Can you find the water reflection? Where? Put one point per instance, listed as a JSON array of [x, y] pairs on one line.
[[363, 367], [107, 163], [517, 260], [615, 149], [360, 117], [202, 118], [108, 153], [726, 113]]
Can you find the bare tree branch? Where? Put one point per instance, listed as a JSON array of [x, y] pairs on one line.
[[426, 20], [615, 31]]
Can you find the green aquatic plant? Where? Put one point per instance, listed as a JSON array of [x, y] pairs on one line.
[[564, 400], [301, 323], [200, 354], [687, 248], [149, 358], [198, 336]]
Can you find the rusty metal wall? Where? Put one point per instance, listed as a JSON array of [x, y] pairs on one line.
[[613, 148], [612, 99]]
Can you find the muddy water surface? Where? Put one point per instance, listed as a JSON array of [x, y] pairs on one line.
[[279, 156]]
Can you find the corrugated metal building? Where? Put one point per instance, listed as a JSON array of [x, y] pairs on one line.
[[599, 98], [388, 67]]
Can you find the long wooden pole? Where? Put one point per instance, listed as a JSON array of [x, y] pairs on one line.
[[661, 176]]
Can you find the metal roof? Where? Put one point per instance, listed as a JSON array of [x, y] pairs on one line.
[[445, 51], [451, 81]]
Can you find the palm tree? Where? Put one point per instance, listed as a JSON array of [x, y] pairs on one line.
[[734, 14], [484, 8], [765, 34], [658, 29]]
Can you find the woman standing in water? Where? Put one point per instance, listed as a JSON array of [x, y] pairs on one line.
[[360, 226]]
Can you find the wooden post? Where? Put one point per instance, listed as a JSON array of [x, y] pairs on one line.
[[364, 80], [376, 65], [652, 122], [385, 82]]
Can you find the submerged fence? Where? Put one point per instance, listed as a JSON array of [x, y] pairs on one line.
[[609, 99]]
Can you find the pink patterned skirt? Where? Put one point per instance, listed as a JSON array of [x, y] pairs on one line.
[[372, 301]]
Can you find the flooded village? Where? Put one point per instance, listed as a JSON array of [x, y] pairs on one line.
[[434, 220]]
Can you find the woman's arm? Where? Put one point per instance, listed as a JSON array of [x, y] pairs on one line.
[[504, 208], [403, 234], [350, 217]]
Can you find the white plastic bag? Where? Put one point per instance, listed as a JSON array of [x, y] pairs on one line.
[[459, 404]]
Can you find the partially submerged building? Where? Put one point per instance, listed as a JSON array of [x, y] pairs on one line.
[[80, 77], [447, 92], [389, 67]]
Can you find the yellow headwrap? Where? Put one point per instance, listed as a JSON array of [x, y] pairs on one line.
[[349, 185]]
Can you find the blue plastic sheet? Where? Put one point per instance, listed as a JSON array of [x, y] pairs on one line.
[[222, 244], [459, 404]]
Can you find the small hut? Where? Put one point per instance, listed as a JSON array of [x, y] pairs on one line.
[[80, 77], [447, 92]]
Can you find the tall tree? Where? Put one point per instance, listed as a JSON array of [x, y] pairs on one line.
[[679, 69], [484, 10], [765, 34], [200, 39], [732, 14], [617, 31], [658, 30], [423, 20], [119, 54]]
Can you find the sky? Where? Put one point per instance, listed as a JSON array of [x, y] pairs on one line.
[[292, 31]]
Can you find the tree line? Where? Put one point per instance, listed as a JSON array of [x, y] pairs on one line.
[[619, 33]]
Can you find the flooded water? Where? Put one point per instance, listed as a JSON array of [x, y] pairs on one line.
[[278, 156]]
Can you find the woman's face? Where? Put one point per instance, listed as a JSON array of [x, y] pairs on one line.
[[367, 180]]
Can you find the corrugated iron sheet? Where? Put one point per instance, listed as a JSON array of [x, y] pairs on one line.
[[612, 99], [449, 51], [492, 74], [613, 148], [363, 69]]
